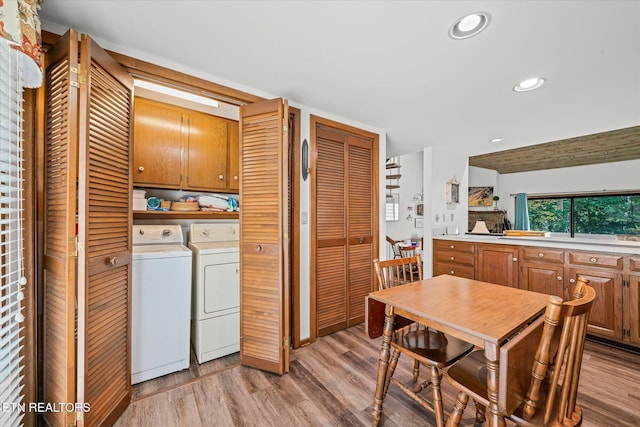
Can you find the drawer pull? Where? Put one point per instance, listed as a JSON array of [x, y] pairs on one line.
[[541, 255], [452, 272], [452, 247], [594, 260], [453, 258]]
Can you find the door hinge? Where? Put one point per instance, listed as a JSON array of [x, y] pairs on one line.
[[73, 241], [77, 78], [626, 283], [285, 343], [626, 332], [285, 128]]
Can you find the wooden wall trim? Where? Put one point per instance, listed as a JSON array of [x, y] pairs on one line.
[[159, 74]]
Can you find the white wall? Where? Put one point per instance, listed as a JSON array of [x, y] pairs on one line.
[[410, 193], [601, 177]]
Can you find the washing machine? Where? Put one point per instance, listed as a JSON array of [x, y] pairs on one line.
[[160, 302], [215, 323]]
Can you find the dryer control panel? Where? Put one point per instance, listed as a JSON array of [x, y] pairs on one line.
[[209, 233]]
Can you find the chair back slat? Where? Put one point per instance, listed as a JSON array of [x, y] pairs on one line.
[[398, 271]]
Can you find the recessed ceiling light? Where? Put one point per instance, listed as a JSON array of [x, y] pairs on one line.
[[496, 140], [529, 84], [469, 25]]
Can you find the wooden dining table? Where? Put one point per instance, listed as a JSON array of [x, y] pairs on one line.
[[483, 314]]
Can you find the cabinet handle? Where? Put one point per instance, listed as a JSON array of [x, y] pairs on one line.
[[559, 277], [141, 169], [220, 176], [452, 258], [572, 280], [541, 255], [361, 240], [594, 260], [258, 248], [114, 261], [235, 177], [453, 272], [452, 247], [515, 259]]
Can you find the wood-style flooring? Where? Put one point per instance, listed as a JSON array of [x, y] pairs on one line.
[[332, 382]]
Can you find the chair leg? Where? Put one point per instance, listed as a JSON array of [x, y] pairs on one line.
[[458, 410], [393, 362], [480, 414], [437, 396], [416, 370]]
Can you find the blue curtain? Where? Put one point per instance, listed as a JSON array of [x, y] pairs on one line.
[[522, 212]]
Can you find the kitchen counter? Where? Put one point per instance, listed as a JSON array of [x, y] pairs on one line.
[[614, 246]]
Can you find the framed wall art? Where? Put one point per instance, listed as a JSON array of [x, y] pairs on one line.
[[480, 196]]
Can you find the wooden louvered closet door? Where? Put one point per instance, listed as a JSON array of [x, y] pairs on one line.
[[104, 266], [345, 226], [87, 173], [264, 241], [59, 278]]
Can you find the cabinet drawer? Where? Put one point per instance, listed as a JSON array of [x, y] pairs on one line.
[[634, 263], [596, 259], [455, 257], [452, 245], [543, 254], [465, 271]]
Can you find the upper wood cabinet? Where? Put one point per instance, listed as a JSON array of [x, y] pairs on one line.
[[157, 144], [184, 149]]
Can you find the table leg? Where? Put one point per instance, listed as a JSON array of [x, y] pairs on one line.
[[491, 353], [383, 365]]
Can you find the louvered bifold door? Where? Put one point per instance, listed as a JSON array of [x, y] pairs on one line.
[[59, 279], [264, 243], [360, 224], [104, 263], [331, 270]]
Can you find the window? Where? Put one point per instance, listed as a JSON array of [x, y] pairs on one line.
[[392, 207], [593, 215], [12, 275]]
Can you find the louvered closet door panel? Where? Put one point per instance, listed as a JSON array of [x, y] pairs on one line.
[[331, 275], [61, 144], [361, 227], [105, 227], [264, 288]]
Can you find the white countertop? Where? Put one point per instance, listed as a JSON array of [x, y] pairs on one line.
[[615, 246]]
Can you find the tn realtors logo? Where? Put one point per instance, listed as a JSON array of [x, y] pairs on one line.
[[45, 407]]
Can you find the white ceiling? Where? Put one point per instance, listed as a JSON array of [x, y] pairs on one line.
[[390, 64]]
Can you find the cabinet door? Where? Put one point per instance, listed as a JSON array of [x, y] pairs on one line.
[[498, 264], [234, 156], [634, 308], [206, 154], [605, 318], [543, 278], [157, 139]]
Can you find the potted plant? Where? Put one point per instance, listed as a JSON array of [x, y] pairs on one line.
[[495, 200]]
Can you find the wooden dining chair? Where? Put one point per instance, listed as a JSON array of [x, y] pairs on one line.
[[425, 346], [555, 373], [395, 247]]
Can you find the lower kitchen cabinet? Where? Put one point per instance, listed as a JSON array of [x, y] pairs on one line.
[[605, 318], [543, 278], [497, 264], [554, 270], [633, 309]]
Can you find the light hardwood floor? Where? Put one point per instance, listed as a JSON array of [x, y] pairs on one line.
[[332, 383]]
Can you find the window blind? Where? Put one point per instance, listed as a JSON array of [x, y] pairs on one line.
[[12, 278]]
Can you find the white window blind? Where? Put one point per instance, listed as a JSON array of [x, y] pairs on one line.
[[11, 239]]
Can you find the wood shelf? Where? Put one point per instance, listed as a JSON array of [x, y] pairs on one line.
[[184, 215], [393, 166]]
